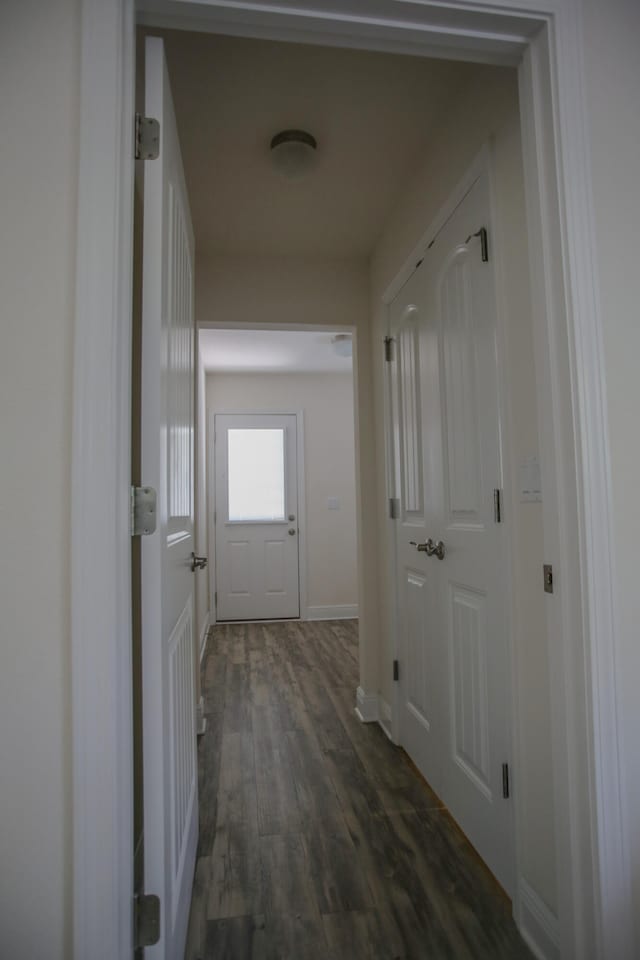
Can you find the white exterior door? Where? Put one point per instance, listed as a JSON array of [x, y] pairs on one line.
[[256, 496], [170, 774], [454, 669]]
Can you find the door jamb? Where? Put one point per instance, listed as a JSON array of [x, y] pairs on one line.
[[302, 508], [596, 916]]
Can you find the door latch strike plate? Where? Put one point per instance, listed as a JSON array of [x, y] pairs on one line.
[[547, 571], [146, 920], [505, 781], [396, 670], [143, 511]]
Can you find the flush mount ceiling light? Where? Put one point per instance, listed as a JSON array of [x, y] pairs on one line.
[[342, 344], [293, 153]]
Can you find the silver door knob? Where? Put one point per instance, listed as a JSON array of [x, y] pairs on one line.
[[435, 549], [291, 532], [198, 563]]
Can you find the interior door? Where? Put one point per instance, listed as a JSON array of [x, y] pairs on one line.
[[170, 776], [256, 495], [455, 636]]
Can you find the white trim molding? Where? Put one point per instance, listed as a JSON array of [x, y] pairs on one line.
[[367, 706], [537, 923], [203, 635], [342, 611]]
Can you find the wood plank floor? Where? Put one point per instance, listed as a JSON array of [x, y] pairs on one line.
[[318, 839]]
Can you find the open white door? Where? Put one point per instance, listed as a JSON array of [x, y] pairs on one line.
[[257, 554], [450, 558], [170, 773]]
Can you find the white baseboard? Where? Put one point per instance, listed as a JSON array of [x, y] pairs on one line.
[[384, 717], [203, 636], [538, 925], [367, 706], [344, 611]]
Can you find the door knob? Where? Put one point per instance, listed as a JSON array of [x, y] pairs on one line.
[[198, 563], [435, 549], [291, 531]]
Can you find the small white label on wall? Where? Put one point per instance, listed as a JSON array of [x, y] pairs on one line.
[[333, 503], [530, 485]]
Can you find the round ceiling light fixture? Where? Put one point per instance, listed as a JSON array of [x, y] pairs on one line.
[[342, 344], [293, 153]]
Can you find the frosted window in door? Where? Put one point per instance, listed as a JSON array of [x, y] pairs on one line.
[[256, 475]]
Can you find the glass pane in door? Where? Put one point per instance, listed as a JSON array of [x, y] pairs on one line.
[[256, 475]]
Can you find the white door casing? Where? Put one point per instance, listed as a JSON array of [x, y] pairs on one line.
[[168, 352], [257, 557], [454, 666]]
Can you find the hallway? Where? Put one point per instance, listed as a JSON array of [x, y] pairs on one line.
[[318, 840]]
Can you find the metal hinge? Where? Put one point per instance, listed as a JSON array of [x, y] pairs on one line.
[[388, 349], [147, 138], [146, 920], [505, 781], [547, 575], [497, 505], [143, 511], [215, 596], [396, 670], [394, 508], [484, 242]]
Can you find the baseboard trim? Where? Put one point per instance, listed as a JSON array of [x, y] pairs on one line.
[[344, 611], [367, 706], [203, 636], [538, 924], [384, 717]]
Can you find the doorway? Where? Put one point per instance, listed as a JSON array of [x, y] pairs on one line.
[[552, 100]]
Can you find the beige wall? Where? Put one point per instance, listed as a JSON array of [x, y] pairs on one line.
[[613, 92], [39, 86], [327, 403], [490, 112]]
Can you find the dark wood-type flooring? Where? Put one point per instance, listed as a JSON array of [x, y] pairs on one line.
[[318, 839]]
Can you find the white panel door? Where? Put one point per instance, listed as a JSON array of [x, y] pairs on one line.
[[256, 494], [170, 775], [457, 656]]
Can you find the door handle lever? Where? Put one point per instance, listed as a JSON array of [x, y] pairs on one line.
[[198, 563], [421, 547]]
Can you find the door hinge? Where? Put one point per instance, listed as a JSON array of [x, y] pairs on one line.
[[147, 138], [484, 242], [547, 575], [396, 670], [143, 511], [215, 599], [497, 505], [146, 920], [505, 781], [388, 349], [394, 508]]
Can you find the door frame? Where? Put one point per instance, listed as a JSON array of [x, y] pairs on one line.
[[302, 506], [543, 39]]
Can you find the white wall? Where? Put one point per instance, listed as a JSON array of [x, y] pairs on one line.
[[491, 112], [39, 87], [612, 64], [329, 459]]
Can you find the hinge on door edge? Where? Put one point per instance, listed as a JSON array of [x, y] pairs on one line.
[[505, 781], [388, 349], [147, 138], [497, 505], [143, 511], [146, 920], [394, 508], [484, 243], [396, 670]]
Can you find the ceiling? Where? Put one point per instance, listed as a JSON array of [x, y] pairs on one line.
[[271, 351], [373, 115]]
